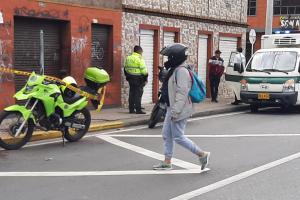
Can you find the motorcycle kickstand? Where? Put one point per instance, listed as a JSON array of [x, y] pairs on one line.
[[63, 137]]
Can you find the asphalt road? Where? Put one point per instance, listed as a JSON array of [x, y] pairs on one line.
[[253, 156]]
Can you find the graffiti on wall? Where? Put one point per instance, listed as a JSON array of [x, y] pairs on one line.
[[77, 48], [97, 50], [5, 61], [6, 56], [55, 14], [78, 44], [6, 26]]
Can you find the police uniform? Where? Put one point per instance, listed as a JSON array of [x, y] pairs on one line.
[[136, 74]]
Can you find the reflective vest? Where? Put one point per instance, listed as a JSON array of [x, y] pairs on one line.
[[135, 65]]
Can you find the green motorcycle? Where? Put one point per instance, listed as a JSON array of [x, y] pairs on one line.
[[50, 105]]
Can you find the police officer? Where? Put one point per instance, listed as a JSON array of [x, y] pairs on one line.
[[136, 74]]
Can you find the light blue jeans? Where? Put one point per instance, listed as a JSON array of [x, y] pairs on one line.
[[174, 131]]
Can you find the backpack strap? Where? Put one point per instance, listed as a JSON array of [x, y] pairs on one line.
[[190, 73]]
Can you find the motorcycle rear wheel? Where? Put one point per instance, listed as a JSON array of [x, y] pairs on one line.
[[82, 117], [156, 115], [9, 124]]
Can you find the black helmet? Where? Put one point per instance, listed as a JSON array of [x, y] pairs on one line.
[[176, 53]]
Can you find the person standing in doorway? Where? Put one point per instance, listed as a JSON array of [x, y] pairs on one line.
[[216, 69], [176, 87], [240, 60], [136, 74]]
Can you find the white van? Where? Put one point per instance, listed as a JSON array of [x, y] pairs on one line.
[[272, 75]]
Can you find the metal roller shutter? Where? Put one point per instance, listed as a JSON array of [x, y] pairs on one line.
[[202, 57], [27, 47], [226, 46], [169, 38], [147, 43], [100, 43]]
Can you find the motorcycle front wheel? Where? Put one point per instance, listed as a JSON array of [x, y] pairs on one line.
[[82, 117], [9, 125]]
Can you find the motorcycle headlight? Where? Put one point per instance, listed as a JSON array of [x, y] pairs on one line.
[[289, 86], [29, 88], [244, 85]]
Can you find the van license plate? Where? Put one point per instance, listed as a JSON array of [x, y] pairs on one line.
[[263, 96]]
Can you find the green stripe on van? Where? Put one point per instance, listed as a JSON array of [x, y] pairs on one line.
[[272, 80], [233, 78], [253, 80]]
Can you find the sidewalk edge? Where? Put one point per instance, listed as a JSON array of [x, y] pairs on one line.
[[42, 135]]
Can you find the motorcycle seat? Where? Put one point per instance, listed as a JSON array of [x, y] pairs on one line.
[[73, 99]]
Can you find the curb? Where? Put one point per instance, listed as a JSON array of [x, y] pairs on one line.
[[196, 114], [43, 135]]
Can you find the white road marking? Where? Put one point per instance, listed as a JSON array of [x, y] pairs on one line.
[[146, 152], [120, 130], [216, 116], [208, 136], [101, 173], [207, 117], [189, 120], [129, 129], [159, 136], [236, 178]]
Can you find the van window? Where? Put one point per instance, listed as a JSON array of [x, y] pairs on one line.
[[231, 59], [274, 60]]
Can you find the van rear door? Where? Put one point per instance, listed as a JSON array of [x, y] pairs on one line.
[[233, 77]]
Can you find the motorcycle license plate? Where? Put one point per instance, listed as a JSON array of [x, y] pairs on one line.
[[263, 96]]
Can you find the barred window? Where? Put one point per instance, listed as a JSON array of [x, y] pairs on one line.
[[286, 7], [251, 7], [286, 10], [277, 2]]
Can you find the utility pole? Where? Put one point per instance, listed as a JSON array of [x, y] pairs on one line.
[[269, 17]]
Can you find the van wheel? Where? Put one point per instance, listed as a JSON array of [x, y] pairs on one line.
[[253, 108], [285, 108]]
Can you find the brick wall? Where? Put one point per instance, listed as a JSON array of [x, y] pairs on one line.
[[77, 40]]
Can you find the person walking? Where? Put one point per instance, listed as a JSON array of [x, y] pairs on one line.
[[136, 74], [240, 60], [176, 87], [216, 69]]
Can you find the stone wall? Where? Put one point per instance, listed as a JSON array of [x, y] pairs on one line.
[[188, 36], [229, 10]]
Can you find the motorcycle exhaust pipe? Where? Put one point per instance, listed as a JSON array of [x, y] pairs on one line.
[[74, 125]]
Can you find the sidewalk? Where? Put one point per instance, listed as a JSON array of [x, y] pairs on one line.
[[111, 118]]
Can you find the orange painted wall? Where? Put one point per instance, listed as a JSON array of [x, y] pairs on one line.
[[259, 20], [80, 21]]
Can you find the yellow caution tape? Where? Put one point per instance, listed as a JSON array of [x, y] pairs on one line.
[[100, 94]]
